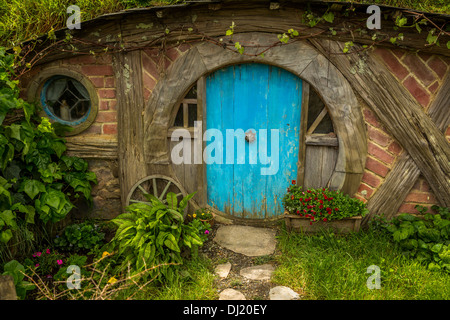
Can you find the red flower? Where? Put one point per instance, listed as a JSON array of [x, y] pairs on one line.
[[304, 210], [325, 196], [310, 222], [288, 190], [293, 181], [321, 206], [292, 197], [298, 211], [301, 199], [329, 212], [321, 201], [309, 191], [325, 219], [328, 209], [336, 209]]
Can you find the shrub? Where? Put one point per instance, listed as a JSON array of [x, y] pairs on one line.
[[425, 238], [36, 178], [17, 271], [81, 236], [321, 204], [151, 234]]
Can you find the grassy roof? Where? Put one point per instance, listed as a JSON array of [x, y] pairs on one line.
[[22, 20]]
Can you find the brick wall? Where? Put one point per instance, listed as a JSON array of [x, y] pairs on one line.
[[422, 75]]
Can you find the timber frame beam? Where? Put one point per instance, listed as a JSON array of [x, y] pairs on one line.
[[420, 137]]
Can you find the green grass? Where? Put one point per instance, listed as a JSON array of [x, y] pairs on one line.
[[335, 267], [195, 282], [21, 20]]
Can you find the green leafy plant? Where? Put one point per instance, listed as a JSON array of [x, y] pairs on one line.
[[81, 236], [17, 271], [36, 178], [322, 204], [425, 237], [154, 233]]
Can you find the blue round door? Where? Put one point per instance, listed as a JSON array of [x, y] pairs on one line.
[[252, 138]]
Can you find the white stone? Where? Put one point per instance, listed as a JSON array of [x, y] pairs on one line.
[[261, 272], [250, 241], [222, 270], [283, 293], [231, 294]]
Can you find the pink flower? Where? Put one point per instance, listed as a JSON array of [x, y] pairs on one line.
[[47, 251], [36, 265], [38, 254], [206, 231], [60, 262]]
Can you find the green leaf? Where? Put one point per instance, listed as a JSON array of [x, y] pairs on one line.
[[328, 17], [437, 247], [5, 235], [9, 218], [172, 200], [185, 200], [448, 45], [171, 243], [32, 188]]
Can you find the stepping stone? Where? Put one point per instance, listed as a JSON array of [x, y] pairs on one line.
[[250, 241], [231, 294], [283, 293], [222, 270], [262, 272]]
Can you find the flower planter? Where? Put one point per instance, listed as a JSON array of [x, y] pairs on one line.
[[301, 224]]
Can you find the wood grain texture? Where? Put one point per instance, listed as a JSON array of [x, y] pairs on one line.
[[399, 111], [93, 147], [128, 71], [390, 195]]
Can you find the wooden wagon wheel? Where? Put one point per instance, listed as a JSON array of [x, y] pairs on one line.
[[157, 185]]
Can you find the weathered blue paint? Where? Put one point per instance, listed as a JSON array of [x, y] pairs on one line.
[[252, 97]]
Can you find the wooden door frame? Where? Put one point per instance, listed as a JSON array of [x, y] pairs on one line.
[[299, 58]]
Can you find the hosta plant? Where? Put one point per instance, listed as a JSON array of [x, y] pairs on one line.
[[153, 234]]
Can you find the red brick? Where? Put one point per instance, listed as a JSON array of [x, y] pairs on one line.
[[95, 70], [83, 59], [398, 53], [392, 62], [395, 148], [148, 81], [103, 105], [368, 190], [147, 94], [149, 65], [420, 198], [378, 136], [420, 69], [433, 87], [107, 116], [112, 104], [438, 66], [184, 47], [417, 91], [424, 56], [379, 153], [110, 128], [376, 167], [97, 81], [371, 118], [107, 93], [109, 82], [407, 208], [93, 129], [172, 54], [424, 186], [371, 179], [360, 198]]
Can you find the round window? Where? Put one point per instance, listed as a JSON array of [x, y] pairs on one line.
[[65, 100]]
